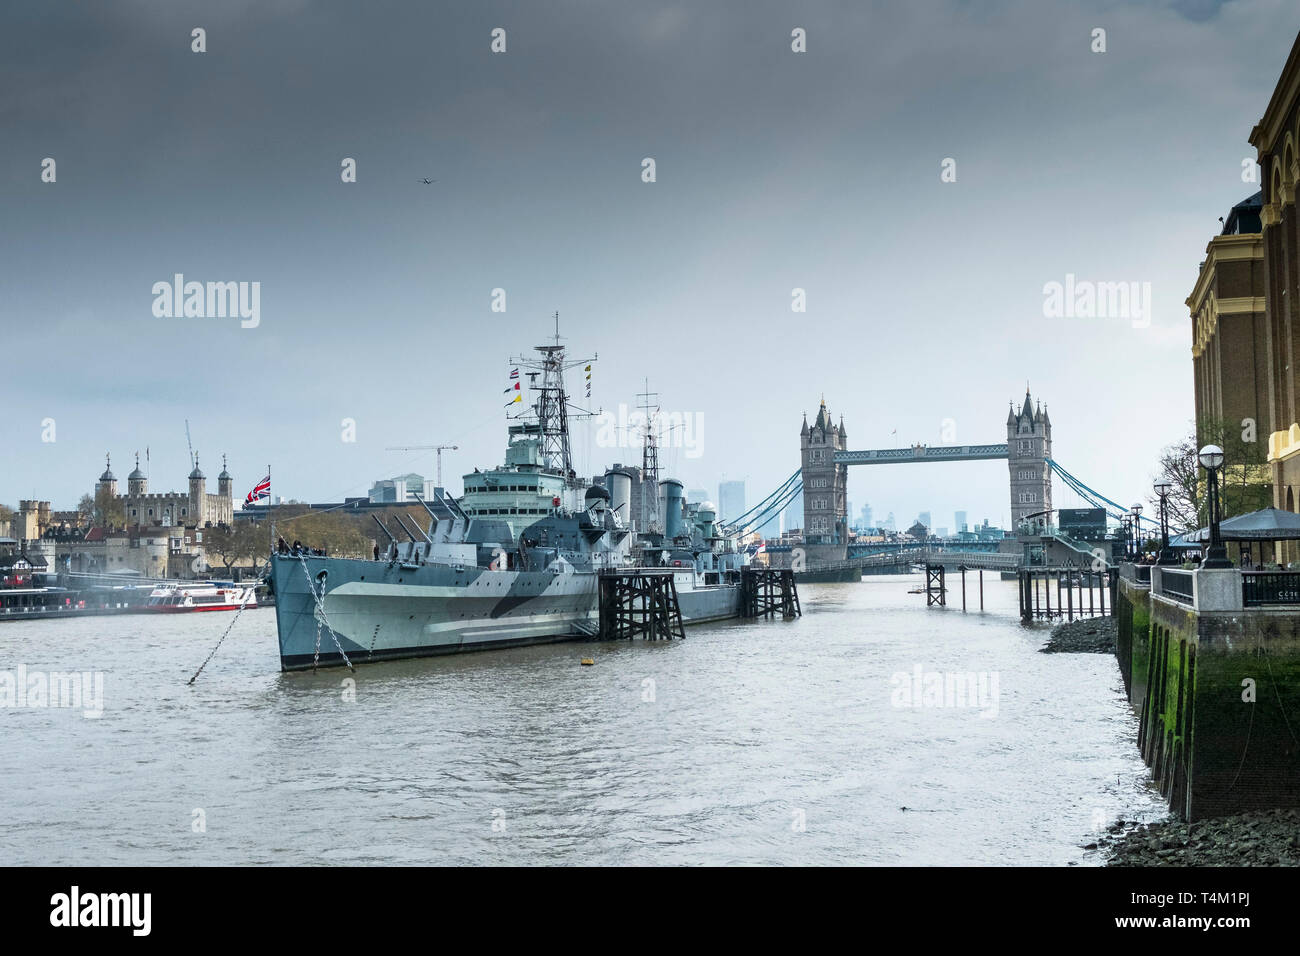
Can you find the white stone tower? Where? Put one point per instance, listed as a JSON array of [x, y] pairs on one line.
[[198, 495]]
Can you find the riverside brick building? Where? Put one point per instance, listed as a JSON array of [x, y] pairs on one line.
[[1230, 325], [1276, 138]]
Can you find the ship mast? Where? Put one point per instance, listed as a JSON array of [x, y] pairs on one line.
[[649, 460], [551, 409]]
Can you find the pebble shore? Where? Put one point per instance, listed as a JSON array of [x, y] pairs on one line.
[[1260, 838], [1089, 635]]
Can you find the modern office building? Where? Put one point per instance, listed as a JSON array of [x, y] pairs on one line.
[[731, 499]]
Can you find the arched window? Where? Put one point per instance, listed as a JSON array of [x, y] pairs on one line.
[[1288, 160]]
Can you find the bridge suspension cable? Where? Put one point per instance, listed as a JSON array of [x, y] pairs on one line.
[[1095, 498], [775, 508], [781, 491]]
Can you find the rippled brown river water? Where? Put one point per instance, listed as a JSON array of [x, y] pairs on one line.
[[748, 743]]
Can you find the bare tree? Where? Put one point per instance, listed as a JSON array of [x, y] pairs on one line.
[[1244, 481], [1185, 504]]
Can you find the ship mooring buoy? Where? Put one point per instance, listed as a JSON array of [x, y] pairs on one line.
[[588, 661]]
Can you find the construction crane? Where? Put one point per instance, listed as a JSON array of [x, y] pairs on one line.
[[438, 448], [190, 443]]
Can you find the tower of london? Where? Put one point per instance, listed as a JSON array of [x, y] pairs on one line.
[[194, 508]]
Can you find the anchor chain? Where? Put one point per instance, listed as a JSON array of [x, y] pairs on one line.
[[320, 606], [229, 628]]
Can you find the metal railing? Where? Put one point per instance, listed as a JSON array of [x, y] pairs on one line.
[[1265, 588], [1175, 584]]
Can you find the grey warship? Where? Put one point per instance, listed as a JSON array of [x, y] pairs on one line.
[[514, 561]]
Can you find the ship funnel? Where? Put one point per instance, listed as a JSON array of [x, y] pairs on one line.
[[619, 484], [672, 494]]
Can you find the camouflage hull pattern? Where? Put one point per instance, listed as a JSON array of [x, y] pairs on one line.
[[381, 611]]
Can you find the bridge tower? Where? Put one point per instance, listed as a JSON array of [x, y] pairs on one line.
[[1029, 445], [825, 487]]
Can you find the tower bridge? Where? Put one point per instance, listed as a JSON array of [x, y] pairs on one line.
[[825, 459], [885, 456]]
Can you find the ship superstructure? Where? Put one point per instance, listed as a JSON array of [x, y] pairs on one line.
[[514, 561]]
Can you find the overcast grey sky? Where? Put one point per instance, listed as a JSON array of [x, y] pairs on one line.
[[775, 170]]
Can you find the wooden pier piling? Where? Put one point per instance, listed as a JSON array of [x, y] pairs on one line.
[[639, 601], [1036, 601], [936, 591], [766, 591]]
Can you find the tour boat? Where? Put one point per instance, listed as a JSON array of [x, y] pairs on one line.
[[203, 596]]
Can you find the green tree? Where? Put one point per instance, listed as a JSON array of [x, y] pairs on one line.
[[1244, 480], [242, 543], [108, 511], [339, 534]]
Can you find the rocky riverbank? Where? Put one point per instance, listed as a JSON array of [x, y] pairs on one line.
[[1261, 838], [1089, 635]]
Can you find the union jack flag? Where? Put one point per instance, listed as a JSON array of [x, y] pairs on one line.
[[261, 490]]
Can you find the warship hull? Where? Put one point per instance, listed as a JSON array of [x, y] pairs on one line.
[[388, 611]]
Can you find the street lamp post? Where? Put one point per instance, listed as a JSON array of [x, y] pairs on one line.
[[1211, 459], [1137, 530], [1126, 525], [1162, 489]]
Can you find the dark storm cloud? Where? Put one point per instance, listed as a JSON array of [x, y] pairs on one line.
[[1199, 10], [775, 171]]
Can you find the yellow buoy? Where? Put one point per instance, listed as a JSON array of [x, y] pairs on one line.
[[588, 661]]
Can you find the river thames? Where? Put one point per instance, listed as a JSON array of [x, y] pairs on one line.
[[798, 742]]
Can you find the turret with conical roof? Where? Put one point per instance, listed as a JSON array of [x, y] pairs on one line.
[[136, 482], [198, 493], [823, 420], [107, 482], [225, 485]]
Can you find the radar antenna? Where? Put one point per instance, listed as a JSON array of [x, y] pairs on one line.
[[550, 412], [649, 459]]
